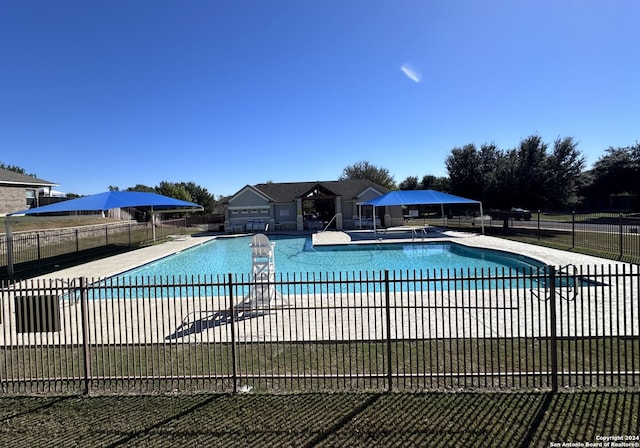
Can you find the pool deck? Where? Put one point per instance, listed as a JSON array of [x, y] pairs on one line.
[[110, 266]]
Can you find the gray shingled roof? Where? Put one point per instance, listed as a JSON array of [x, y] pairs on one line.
[[8, 177], [289, 191]]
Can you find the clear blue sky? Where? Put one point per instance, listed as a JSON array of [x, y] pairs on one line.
[[226, 93]]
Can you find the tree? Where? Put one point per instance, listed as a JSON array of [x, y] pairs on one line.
[[428, 182], [530, 172], [200, 196], [16, 169], [564, 167], [618, 171], [143, 188], [173, 190], [464, 174], [525, 176], [364, 170], [410, 183]]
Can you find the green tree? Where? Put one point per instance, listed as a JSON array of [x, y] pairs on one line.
[[200, 196], [526, 176], [617, 171], [410, 183], [464, 174], [144, 189], [530, 173], [16, 169], [365, 170], [174, 190], [428, 182], [564, 167]]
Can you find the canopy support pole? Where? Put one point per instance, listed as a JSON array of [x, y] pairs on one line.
[[481, 218], [153, 224], [375, 234]]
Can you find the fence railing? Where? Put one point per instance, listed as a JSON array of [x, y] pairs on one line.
[[544, 329], [614, 234], [39, 249]]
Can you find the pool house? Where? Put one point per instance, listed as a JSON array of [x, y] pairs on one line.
[[298, 206]]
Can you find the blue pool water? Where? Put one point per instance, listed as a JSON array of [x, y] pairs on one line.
[[296, 260], [297, 255]]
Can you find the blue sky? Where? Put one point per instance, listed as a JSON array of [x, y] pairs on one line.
[[226, 93]]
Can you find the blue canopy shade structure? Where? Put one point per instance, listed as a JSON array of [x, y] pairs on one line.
[[420, 197], [99, 203], [113, 199]]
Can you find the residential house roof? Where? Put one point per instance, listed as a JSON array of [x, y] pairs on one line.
[[8, 177], [289, 191]]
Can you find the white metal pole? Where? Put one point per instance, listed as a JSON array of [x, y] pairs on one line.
[[153, 224], [375, 235]]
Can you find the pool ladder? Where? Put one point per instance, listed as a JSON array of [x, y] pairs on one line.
[[327, 226], [414, 233]]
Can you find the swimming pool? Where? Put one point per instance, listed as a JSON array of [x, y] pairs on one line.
[[298, 260], [297, 255]]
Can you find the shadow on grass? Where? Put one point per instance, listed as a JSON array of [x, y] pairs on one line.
[[434, 419]]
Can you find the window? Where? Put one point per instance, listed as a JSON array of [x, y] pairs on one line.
[[31, 198]]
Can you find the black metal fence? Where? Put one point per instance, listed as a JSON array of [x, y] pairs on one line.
[[365, 331], [616, 235], [35, 250]]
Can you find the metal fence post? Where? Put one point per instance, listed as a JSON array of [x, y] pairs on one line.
[[620, 235], [553, 322], [86, 349], [233, 335], [388, 319], [573, 229], [38, 242]]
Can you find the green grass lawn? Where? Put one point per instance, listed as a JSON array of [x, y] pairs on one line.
[[434, 419]]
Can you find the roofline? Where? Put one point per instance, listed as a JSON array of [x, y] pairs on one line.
[[35, 184], [255, 190]]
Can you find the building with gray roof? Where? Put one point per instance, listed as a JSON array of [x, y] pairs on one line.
[[306, 206], [19, 191]]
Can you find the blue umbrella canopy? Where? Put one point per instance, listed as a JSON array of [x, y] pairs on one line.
[[113, 199], [418, 197]]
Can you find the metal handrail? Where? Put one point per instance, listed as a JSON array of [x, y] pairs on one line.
[[327, 226]]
